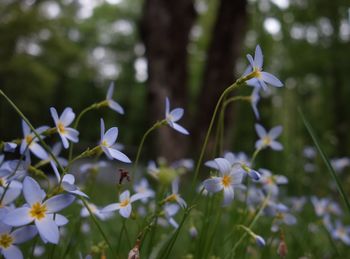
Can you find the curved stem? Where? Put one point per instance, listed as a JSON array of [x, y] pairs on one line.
[[45, 146], [155, 126], [238, 83], [76, 123]]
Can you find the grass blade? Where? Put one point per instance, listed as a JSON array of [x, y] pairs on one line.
[[325, 159]]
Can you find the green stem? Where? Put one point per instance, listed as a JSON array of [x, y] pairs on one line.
[[76, 123], [252, 223], [44, 145], [255, 154], [92, 216], [155, 126], [238, 83]]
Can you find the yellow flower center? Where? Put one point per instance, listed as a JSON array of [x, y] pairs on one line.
[[104, 143], [38, 211], [226, 180], [266, 140], [2, 182], [124, 203], [60, 127], [6, 240], [256, 73], [29, 139], [171, 198]]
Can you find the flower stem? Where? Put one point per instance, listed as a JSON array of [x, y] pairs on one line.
[[238, 83], [98, 226], [45, 146], [155, 126], [76, 123]]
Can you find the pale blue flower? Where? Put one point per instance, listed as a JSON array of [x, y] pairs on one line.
[[268, 139], [261, 78], [170, 210], [39, 210], [341, 232], [260, 240], [10, 147], [107, 142], [9, 239], [68, 184], [143, 187], [31, 141], [62, 124], [111, 103], [95, 210], [173, 116], [271, 181], [175, 196], [229, 179], [324, 206], [124, 204]]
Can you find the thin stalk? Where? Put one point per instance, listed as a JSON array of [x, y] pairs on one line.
[[44, 145], [76, 123], [92, 216], [155, 126], [238, 83], [252, 223], [325, 159]]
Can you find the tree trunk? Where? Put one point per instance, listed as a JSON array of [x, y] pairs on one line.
[[165, 28], [225, 48]]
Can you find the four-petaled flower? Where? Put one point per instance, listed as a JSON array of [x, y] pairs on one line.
[[260, 78], [173, 116], [107, 144], [229, 178], [9, 239], [62, 124], [111, 103], [30, 141], [39, 211], [124, 204], [268, 139], [175, 196]]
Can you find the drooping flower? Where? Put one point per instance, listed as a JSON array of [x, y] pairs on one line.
[[124, 204], [39, 210], [107, 143], [268, 139], [9, 239], [111, 103], [173, 116], [260, 78], [62, 124], [30, 141], [229, 178]]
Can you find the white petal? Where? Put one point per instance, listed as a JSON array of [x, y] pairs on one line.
[[258, 57], [276, 145], [12, 252], [124, 195], [223, 165], [116, 154], [18, 217], [177, 114], [115, 106], [38, 150], [54, 114], [228, 195], [25, 128], [251, 60], [72, 135], [32, 191], [111, 207], [64, 141], [180, 129], [275, 132], [125, 211], [175, 185], [11, 195], [59, 202], [24, 234], [213, 184], [48, 229], [110, 91], [271, 79], [67, 116], [111, 136], [212, 164], [140, 196], [260, 131], [167, 106]]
